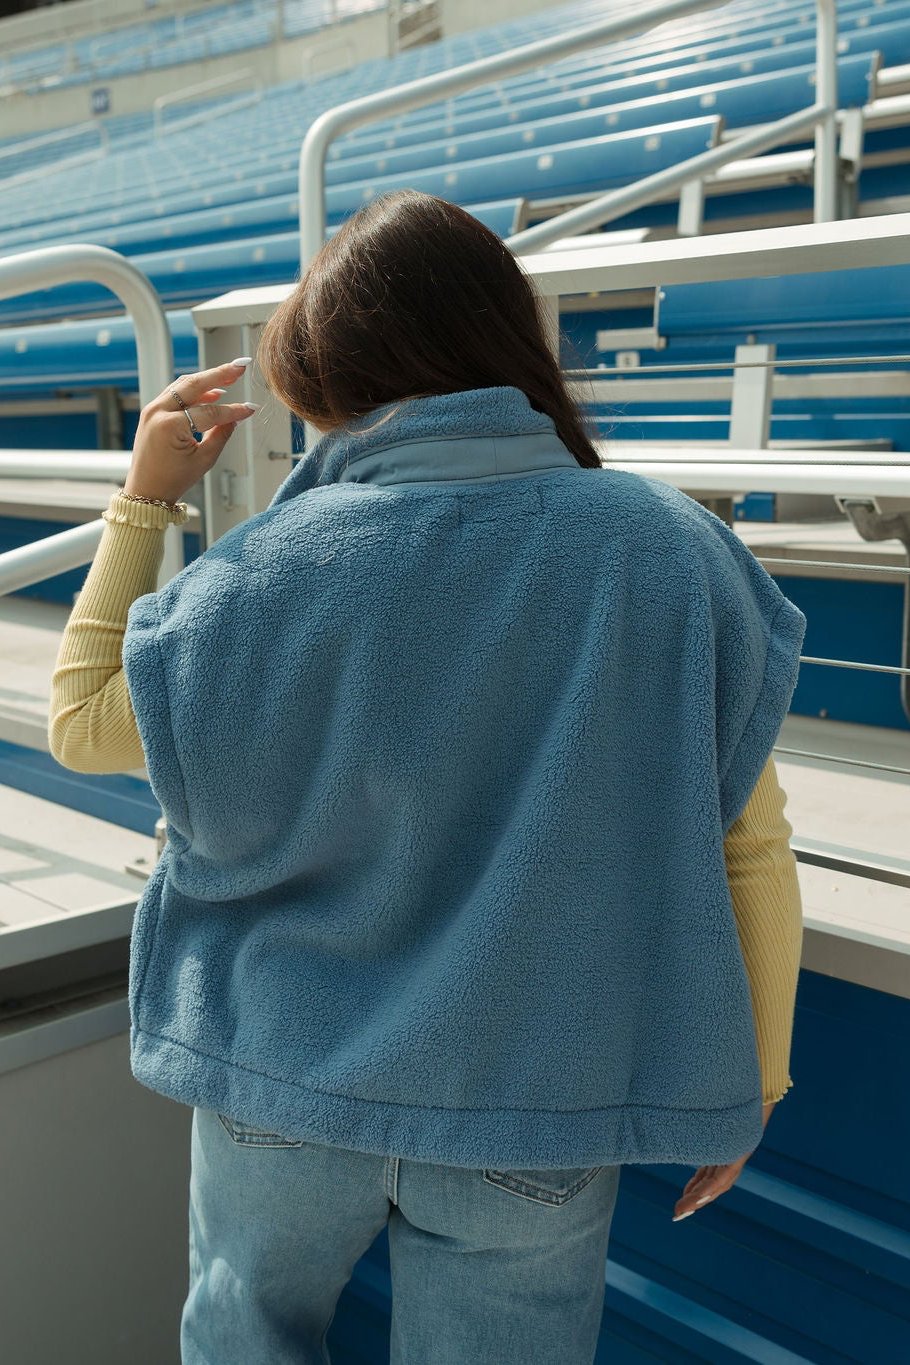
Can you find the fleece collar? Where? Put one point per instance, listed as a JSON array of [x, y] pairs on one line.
[[477, 434]]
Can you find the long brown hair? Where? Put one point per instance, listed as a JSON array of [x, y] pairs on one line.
[[413, 296]]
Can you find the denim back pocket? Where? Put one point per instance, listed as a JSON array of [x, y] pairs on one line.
[[248, 1136], [545, 1187]]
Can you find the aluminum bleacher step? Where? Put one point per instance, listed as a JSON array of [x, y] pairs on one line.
[[30, 631], [67, 879], [629, 339], [54, 499], [660, 450], [775, 168]]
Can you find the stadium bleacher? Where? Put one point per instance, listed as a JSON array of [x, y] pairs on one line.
[[174, 39], [514, 152]]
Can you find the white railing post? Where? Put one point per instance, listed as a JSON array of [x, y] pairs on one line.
[[825, 210], [753, 392]]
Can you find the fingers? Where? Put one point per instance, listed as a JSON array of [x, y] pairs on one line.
[[193, 388], [697, 1178], [215, 440], [208, 415], [705, 1186]]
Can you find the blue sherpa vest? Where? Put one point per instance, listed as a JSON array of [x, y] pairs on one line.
[[448, 738]]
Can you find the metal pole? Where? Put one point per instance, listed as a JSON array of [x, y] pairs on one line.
[[607, 207], [96, 466], [752, 397], [51, 555], [414, 94], [825, 210]]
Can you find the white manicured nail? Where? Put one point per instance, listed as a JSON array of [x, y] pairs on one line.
[[253, 407], [678, 1216], [704, 1199], [241, 360]]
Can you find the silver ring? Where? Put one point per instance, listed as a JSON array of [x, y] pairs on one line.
[[197, 434]]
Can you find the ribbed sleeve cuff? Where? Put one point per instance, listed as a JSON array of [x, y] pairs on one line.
[[148, 514]]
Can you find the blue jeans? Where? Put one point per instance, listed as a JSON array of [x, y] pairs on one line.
[[488, 1267]]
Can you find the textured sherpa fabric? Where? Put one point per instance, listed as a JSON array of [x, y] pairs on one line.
[[448, 739]]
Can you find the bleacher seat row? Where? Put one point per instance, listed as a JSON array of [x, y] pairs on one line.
[[171, 40], [513, 152]]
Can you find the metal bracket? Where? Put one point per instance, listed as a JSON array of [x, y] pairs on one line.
[[750, 409], [690, 221], [850, 161], [873, 524], [226, 482], [109, 416]]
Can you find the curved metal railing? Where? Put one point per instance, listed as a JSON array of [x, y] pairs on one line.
[[55, 265]]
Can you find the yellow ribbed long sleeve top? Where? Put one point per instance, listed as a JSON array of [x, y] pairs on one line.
[[92, 729]]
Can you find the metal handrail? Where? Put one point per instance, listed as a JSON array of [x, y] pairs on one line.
[[607, 207], [57, 135], [741, 471], [53, 265], [876, 867], [91, 466], [803, 248], [414, 94], [186, 92], [73, 159]]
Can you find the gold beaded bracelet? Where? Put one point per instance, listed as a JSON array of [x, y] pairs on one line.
[[158, 502]]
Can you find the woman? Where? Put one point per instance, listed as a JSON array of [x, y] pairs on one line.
[[477, 882]]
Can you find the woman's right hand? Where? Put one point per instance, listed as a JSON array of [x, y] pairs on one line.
[[710, 1181]]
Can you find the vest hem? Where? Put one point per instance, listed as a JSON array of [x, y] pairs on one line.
[[495, 1138]]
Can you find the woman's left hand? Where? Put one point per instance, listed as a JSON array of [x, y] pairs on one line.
[[167, 458], [710, 1181]]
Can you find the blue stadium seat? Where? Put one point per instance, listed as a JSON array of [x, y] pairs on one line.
[[777, 95], [568, 169], [276, 214], [83, 355], [892, 41], [839, 298], [199, 272]]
